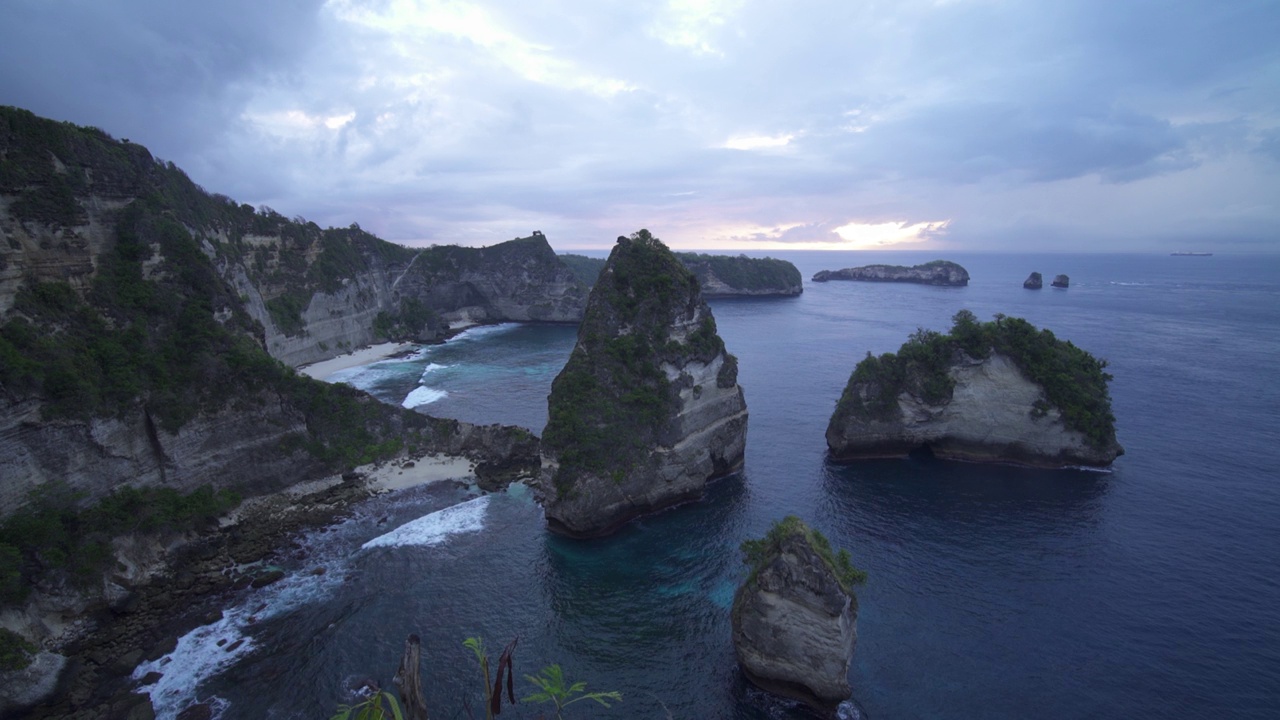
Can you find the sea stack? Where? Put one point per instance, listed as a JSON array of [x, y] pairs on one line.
[[1061, 281], [998, 391], [795, 618], [648, 409], [1034, 281]]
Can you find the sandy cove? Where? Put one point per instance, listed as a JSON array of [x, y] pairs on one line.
[[323, 369]]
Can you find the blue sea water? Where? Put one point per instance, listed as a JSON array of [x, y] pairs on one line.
[[1150, 591]]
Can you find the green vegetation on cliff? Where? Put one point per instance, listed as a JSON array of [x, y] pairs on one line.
[[743, 273], [761, 275], [585, 269], [758, 553], [52, 534], [157, 329], [606, 406], [1073, 381]]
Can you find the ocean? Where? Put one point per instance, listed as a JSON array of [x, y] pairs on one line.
[[1150, 591]]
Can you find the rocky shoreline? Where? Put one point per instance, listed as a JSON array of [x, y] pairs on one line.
[[205, 572]]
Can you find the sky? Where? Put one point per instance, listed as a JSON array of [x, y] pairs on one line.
[[967, 125]]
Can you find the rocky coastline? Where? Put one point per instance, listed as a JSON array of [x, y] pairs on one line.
[[180, 580]]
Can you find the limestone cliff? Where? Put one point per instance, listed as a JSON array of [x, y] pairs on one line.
[[648, 408], [938, 272], [999, 391], [795, 618], [136, 312], [317, 293]]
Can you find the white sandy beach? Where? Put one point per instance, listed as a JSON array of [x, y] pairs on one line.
[[382, 477], [363, 356]]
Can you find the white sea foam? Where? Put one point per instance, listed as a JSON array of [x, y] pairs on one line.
[[423, 395], [432, 368], [363, 377], [436, 527], [475, 333], [210, 649]]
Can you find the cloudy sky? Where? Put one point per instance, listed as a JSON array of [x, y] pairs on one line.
[[1037, 125]]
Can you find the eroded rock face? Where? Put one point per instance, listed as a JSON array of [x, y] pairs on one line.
[[1034, 281], [648, 409], [994, 414], [938, 272], [795, 626], [1061, 281]]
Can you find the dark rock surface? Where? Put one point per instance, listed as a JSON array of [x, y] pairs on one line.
[[648, 408], [795, 625], [938, 272], [1061, 281], [1034, 281]]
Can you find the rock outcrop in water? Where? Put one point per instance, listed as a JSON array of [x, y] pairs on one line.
[[1061, 281], [1034, 281], [999, 391], [937, 272], [795, 617], [648, 409]]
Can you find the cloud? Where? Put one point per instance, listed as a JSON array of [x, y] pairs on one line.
[[1020, 124]]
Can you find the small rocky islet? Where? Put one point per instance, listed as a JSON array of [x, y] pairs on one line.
[[999, 391], [937, 272], [795, 617]]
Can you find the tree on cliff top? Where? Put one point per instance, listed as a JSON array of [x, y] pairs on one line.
[[1073, 380], [607, 406], [758, 553]]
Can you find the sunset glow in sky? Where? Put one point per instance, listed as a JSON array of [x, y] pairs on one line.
[[717, 124]]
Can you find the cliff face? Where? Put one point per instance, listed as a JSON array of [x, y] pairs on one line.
[[520, 280], [938, 272], [795, 623], [137, 311], [995, 391], [991, 416], [648, 408]]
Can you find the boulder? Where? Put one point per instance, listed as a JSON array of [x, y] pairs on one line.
[[648, 409], [795, 618], [1034, 281]]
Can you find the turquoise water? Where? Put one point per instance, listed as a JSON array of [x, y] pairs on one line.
[[993, 592]]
